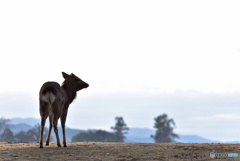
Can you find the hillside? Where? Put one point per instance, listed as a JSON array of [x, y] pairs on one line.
[[117, 151]]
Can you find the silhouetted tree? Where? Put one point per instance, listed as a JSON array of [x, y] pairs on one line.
[[35, 133], [120, 129], [7, 136], [3, 123], [84, 136], [164, 132], [22, 137], [97, 136]]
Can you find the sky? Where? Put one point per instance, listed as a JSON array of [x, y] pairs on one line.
[[140, 58]]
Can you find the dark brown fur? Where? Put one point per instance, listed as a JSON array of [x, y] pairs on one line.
[[54, 101]]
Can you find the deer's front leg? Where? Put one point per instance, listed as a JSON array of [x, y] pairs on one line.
[[63, 120]]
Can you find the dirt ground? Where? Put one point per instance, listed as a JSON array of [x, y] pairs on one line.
[[117, 151]]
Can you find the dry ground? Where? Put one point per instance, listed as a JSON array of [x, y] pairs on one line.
[[116, 151]]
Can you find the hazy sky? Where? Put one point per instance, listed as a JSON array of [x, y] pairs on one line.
[[184, 51]]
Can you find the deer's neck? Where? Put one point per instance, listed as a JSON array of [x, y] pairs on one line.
[[70, 92]]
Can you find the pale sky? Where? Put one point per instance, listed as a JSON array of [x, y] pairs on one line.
[[147, 48]]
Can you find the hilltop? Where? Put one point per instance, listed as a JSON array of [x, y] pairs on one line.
[[116, 151]]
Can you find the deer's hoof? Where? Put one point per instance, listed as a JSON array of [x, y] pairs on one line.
[[41, 146], [65, 145], [47, 144]]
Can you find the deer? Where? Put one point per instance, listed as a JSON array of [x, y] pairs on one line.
[[54, 101]]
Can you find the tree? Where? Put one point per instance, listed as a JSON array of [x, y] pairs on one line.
[[32, 135], [7, 136], [164, 132], [119, 129], [22, 137], [3, 123], [97, 136]]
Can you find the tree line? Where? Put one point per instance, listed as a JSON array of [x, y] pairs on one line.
[[119, 130], [163, 125], [32, 135]]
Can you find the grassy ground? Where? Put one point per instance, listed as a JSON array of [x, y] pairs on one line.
[[117, 151]]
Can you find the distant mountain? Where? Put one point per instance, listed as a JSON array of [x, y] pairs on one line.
[[16, 128], [139, 135], [142, 135], [135, 135], [69, 133], [24, 124], [192, 139], [30, 121]]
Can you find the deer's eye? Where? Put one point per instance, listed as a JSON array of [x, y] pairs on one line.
[[76, 79]]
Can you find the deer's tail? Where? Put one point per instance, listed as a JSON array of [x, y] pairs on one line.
[[48, 97]]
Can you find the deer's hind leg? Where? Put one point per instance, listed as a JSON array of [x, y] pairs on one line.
[[44, 115], [49, 131], [54, 115], [54, 122], [43, 120]]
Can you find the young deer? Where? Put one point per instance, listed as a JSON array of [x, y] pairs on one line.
[[54, 102]]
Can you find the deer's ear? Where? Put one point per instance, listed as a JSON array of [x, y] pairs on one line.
[[72, 74], [65, 75]]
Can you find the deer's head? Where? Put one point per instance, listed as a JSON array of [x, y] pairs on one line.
[[74, 81]]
